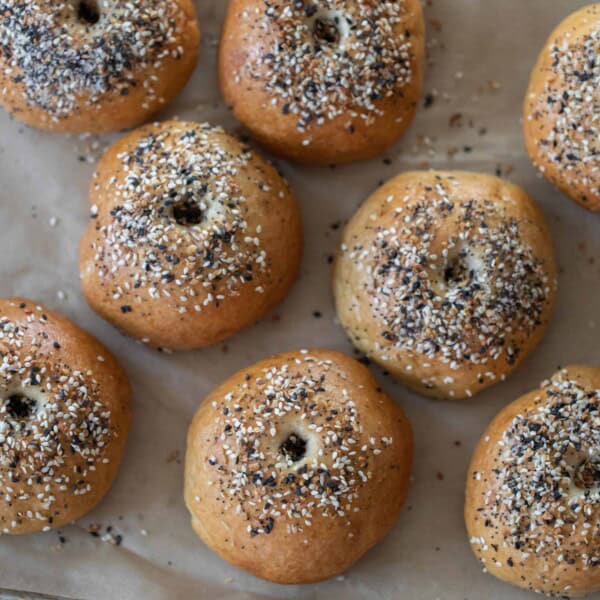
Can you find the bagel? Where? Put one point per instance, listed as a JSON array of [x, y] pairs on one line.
[[296, 466], [562, 105], [327, 82], [532, 504], [94, 65], [64, 419], [193, 236], [447, 279]]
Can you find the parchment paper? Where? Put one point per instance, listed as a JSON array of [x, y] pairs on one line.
[[480, 55]]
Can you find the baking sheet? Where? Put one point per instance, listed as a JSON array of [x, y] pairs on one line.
[[480, 55]]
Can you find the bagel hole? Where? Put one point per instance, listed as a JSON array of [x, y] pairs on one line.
[[457, 271], [187, 212], [587, 474], [88, 11], [326, 31], [19, 406], [293, 447]]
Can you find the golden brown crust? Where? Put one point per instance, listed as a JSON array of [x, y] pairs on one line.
[[143, 53], [322, 121], [293, 513], [447, 279], [64, 403], [561, 108], [184, 252], [532, 505]]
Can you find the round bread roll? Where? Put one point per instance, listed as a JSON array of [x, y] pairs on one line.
[[94, 65], [330, 82], [296, 466], [562, 107], [533, 492], [192, 237], [447, 279], [64, 419]]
